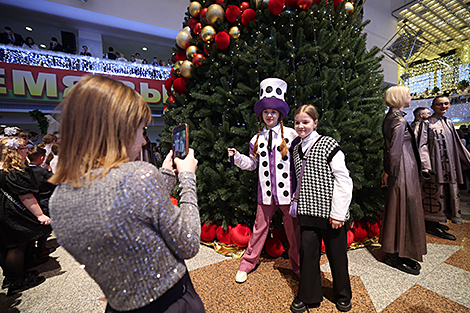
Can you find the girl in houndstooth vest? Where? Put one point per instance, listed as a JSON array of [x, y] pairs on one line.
[[269, 153], [325, 191]]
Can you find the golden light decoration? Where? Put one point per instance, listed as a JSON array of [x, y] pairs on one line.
[[182, 39], [195, 8], [208, 33], [185, 69], [191, 51], [177, 67], [214, 12], [349, 7], [234, 32]]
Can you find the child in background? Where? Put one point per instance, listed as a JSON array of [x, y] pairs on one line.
[[324, 196], [269, 150]]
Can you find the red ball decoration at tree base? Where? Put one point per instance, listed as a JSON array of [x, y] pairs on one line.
[[180, 56], [279, 234], [350, 235], [197, 58], [232, 13], [171, 99], [247, 16], [179, 85], [276, 6], [360, 233], [224, 235], [219, 2], [222, 40], [208, 232], [304, 4], [373, 229], [336, 3], [274, 247], [240, 235], [291, 3], [244, 6], [168, 83]]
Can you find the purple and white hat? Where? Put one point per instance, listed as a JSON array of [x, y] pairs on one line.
[[271, 94]]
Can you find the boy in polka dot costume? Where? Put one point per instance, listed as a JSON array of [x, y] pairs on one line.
[[269, 152]]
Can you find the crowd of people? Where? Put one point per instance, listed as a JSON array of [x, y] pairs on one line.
[[9, 37], [104, 169]]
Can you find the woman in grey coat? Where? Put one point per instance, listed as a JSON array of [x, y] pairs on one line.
[[403, 235]]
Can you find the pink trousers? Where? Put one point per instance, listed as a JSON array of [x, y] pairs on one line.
[[264, 213]]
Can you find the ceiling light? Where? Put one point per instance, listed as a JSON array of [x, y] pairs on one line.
[[43, 46], [28, 28], [144, 48]]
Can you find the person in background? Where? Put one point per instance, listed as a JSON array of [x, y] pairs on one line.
[[11, 38], [402, 234], [29, 43], [122, 57], [85, 51], [442, 152], [53, 158], [132, 60], [154, 61], [421, 114], [47, 142], [57, 135], [138, 60], [110, 54], [102, 123], [33, 137], [55, 45]]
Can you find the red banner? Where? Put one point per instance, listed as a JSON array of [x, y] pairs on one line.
[[42, 85]]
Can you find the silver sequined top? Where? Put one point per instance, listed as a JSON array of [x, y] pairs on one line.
[[125, 230]]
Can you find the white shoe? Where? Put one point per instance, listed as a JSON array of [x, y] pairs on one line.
[[241, 277]]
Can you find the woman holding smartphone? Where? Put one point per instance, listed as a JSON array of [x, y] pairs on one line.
[[114, 215]]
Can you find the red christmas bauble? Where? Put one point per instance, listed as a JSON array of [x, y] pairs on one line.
[[276, 6], [192, 22], [279, 234], [274, 247], [318, 1], [304, 4], [173, 74], [240, 235], [168, 83], [224, 235], [203, 13], [197, 28], [208, 232], [292, 3], [222, 40], [360, 233], [173, 199], [247, 16], [220, 1], [197, 59], [336, 3], [179, 85], [350, 235], [323, 248], [180, 55], [373, 229], [244, 6], [171, 99], [232, 13]]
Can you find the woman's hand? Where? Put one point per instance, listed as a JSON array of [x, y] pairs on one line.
[[44, 220], [189, 164], [384, 179], [168, 162], [231, 152], [335, 224]]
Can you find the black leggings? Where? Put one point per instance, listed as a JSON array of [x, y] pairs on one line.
[[12, 261]]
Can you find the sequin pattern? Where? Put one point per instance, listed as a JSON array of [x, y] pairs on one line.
[[125, 230]]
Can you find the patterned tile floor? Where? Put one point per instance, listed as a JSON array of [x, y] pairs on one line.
[[443, 285]]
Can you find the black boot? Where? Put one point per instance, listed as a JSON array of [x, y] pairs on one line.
[[434, 229], [393, 260], [443, 227], [414, 265]]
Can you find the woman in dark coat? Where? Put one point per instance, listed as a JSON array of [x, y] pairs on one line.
[[403, 235]]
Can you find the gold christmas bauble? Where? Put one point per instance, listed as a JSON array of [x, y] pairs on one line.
[[234, 32], [177, 67], [185, 69], [191, 51], [349, 7], [207, 33], [195, 8], [182, 39], [214, 12]]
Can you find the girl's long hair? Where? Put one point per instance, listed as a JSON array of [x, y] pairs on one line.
[[99, 120], [10, 159], [282, 146]]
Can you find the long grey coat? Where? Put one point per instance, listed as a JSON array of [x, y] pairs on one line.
[[403, 228]]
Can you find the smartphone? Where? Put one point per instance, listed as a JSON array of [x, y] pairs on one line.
[[180, 141]]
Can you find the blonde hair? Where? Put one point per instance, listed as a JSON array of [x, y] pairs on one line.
[[282, 146], [10, 158], [395, 96], [99, 120], [308, 109]]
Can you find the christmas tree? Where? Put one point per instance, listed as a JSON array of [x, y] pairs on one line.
[[318, 47]]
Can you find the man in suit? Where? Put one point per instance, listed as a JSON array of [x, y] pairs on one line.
[[9, 37], [55, 45]]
